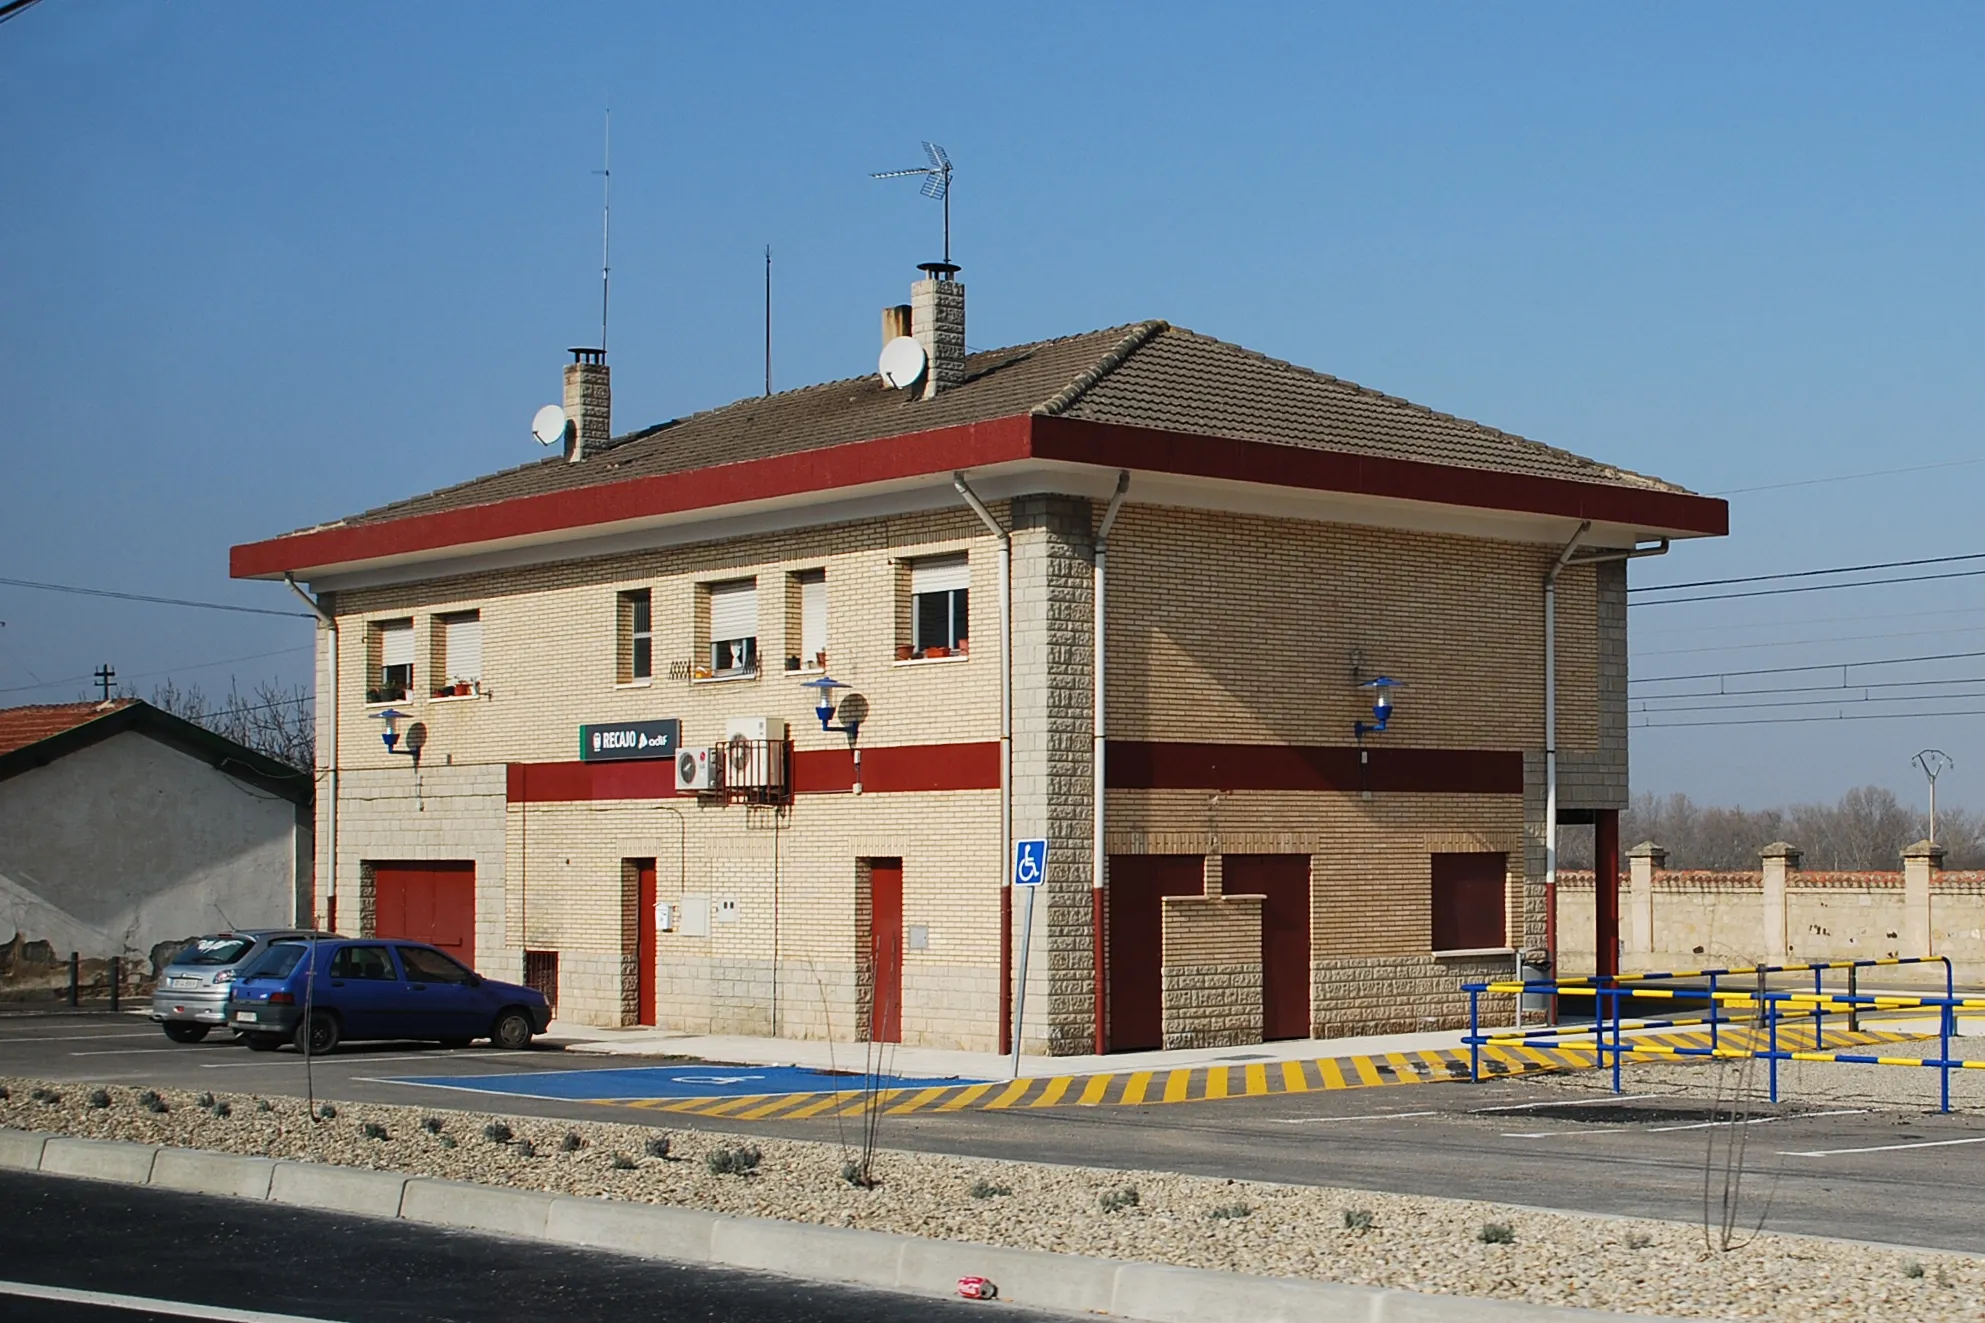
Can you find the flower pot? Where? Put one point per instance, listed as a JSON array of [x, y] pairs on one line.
[[820, 659], [938, 651], [904, 652], [462, 688], [964, 647], [792, 663]]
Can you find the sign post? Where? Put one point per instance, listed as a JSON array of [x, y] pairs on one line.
[[1030, 866]]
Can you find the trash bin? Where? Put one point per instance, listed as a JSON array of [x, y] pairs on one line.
[[1536, 1002]]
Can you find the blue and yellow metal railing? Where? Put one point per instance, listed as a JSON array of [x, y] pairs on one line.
[[1768, 1006]]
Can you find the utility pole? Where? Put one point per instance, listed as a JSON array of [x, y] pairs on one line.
[[104, 675], [1934, 762]]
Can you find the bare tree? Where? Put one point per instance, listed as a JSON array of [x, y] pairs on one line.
[[1866, 829], [274, 720]]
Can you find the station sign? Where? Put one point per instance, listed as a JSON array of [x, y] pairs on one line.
[[619, 741]]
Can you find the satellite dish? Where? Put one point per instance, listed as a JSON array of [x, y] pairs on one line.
[[903, 362], [548, 426]]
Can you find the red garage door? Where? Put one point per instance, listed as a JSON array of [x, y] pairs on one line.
[[427, 902], [1138, 885], [1283, 883]]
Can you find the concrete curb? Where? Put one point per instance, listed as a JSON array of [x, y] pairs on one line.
[[1064, 1282]]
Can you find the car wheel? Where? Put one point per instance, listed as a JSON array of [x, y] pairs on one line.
[[453, 1043], [264, 1042], [318, 1035], [185, 1031], [512, 1031]]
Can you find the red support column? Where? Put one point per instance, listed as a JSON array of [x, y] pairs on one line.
[[1606, 888]]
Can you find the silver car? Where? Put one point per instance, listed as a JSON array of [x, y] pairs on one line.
[[191, 996]]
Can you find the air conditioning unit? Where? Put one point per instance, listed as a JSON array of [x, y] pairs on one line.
[[699, 770], [755, 752]]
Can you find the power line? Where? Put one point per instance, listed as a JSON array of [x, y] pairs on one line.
[[161, 601], [1848, 477], [1841, 696], [1806, 574], [1817, 666], [1810, 588], [1734, 626], [171, 670], [1794, 643], [1786, 721]]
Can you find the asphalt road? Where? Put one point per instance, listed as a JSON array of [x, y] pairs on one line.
[[155, 1247], [1911, 1179]]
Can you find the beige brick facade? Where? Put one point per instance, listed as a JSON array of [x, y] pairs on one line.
[[1230, 628]]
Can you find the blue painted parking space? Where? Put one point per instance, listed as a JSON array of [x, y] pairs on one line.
[[667, 1082]]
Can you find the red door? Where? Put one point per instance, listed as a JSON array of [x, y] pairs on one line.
[[1138, 885], [1283, 882], [885, 949], [644, 941], [427, 902]]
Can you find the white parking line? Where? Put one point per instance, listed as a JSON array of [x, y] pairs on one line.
[[1327, 1120], [1881, 1148], [1568, 1102], [148, 1305], [1759, 1120], [126, 1051], [30, 1039]]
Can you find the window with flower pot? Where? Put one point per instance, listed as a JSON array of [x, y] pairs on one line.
[[940, 599], [806, 620], [389, 663], [733, 608], [456, 664], [634, 650]]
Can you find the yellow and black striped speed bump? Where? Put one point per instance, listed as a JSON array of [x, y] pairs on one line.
[[1255, 1079]]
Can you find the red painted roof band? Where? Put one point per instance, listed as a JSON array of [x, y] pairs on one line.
[[1000, 440]]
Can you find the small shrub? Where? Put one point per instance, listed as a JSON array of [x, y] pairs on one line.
[[497, 1133], [984, 1189], [860, 1175], [48, 1096], [150, 1101], [264, 1105], [524, 1148], [204, 1100], [1912, 1270], [431, 1124], [1637, 1240], [221, 1111], [732, 1161], [327, 1113], [447, 1141], [658, 1147], [4, 1094], [1357, 1219], [621, 1162], [99, 1098], [1496, 1233], [1230, 1212], [572, 1142], [1115, 1201], [373, 1130]]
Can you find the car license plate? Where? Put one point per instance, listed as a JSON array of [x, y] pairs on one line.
[[184, 981], [248, 1016]]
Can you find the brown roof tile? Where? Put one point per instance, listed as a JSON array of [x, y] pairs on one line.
[[22, 726]]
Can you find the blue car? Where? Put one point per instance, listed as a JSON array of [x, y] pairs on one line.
[[373, 988]]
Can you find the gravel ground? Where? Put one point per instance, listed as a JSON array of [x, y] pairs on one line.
[[1411, 1242]]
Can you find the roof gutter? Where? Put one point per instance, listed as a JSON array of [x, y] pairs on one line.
[[330, 623]]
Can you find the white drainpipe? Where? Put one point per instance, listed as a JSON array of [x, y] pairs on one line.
[[331, 806], [1005, 690], [1098, 858]]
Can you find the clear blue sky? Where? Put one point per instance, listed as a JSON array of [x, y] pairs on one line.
[[267, 265]]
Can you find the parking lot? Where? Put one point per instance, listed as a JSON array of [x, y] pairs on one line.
[[1525, 1141]]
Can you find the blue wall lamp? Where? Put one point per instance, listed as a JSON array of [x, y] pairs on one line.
[[1381, 688], [416, 734], [826, 699]]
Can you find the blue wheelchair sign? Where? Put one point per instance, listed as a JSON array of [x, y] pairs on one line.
[[1030, 862]]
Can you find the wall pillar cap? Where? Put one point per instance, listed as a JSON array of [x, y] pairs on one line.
[[1649, 850], [1784, 850], [1926, 850]]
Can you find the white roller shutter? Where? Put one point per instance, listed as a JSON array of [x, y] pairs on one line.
[[940, 574], [396, 645], [813, 616], [734, 610], [462, 645]]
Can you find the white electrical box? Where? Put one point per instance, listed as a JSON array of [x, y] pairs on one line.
[[727, 910], [693, 916], [664, 920]]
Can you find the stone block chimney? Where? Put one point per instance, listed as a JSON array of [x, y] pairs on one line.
[[937, 321], [588, 402]]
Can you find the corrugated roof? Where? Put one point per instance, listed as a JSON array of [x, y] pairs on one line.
[[22, 726], [1148, 374]]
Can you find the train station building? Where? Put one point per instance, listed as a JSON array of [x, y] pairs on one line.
[[732, 724]]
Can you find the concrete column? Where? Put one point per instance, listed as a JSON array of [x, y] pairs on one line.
[[1920, 862], [1643, 862], [1779, 859]]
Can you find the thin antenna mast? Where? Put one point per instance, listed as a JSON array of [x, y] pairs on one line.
[[937, 185], [768, 319], [605, 172]]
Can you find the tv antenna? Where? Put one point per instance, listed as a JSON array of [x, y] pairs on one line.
[[768, 319], [605, 172], [937, 184]]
